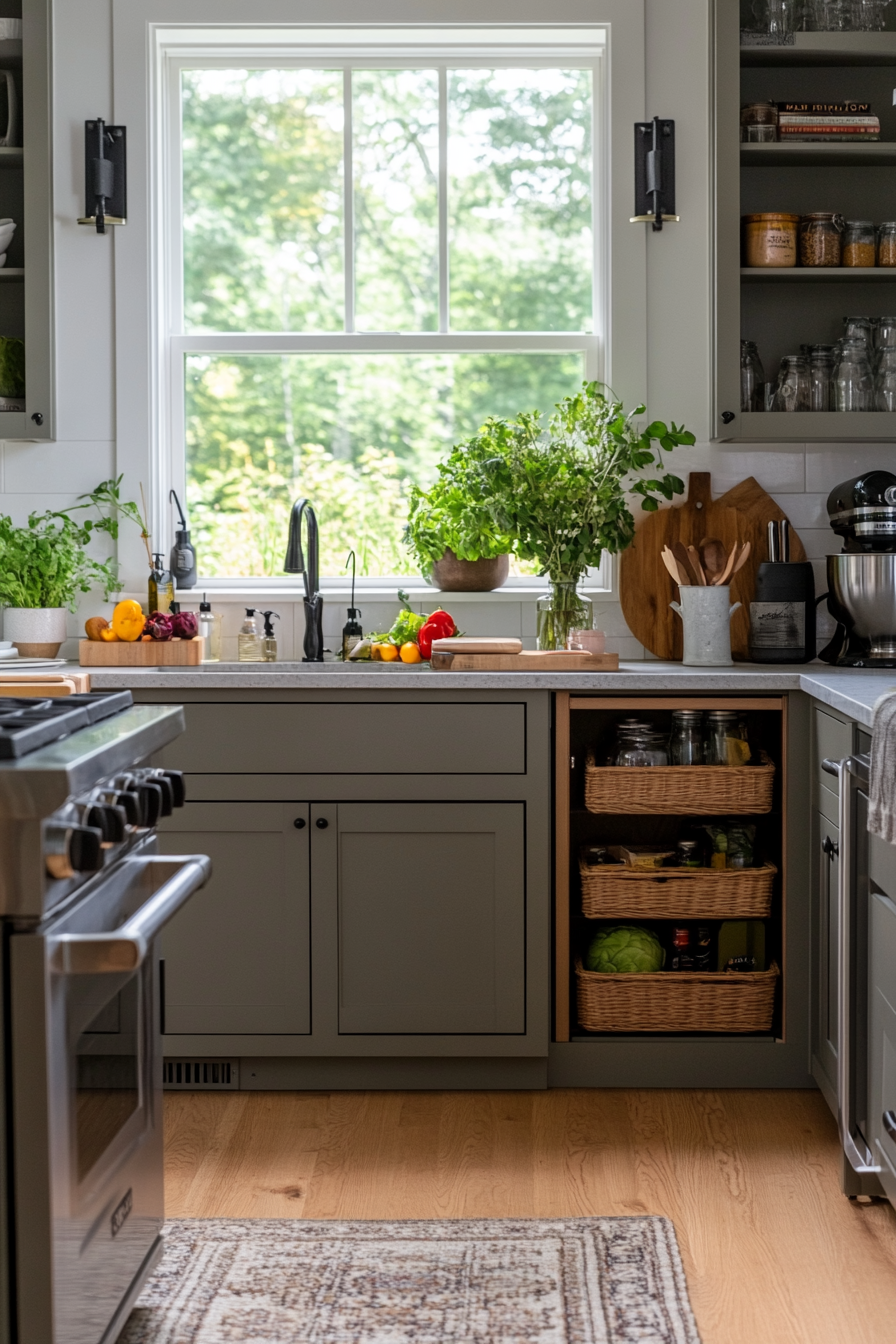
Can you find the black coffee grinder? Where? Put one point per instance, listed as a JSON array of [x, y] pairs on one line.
[[861, 592]]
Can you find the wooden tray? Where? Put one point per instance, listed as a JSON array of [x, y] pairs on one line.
[[611, 891], [151, 653], [534, 660]]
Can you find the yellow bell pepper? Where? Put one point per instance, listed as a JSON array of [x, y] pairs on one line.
[[128, 620]]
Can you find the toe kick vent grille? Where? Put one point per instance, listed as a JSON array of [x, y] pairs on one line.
[[195, 1075]]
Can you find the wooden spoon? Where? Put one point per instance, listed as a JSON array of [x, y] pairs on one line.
[[742, 559], [729, 566], [696, 566], [672, 565], [714, 557], [680, 551]]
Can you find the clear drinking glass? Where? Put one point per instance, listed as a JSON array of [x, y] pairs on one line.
[[853, 379], [792, 391], [885, 380], [752, 378], [821, 380]]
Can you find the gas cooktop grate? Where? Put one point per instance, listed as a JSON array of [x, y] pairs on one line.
[[26, 725]]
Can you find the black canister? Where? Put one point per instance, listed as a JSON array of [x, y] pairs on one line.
[[782, 613]]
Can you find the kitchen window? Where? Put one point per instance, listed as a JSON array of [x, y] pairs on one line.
[[366, 241]]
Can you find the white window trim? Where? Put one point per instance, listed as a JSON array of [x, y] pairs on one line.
[[149, 34]]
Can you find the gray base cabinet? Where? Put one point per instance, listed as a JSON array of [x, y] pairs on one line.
[[882, 1012]]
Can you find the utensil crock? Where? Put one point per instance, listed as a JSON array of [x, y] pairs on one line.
[[706, 618]]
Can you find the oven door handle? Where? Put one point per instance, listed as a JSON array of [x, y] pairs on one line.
[[125, 948]]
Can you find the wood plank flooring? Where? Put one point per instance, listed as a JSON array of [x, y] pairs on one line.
[[774, 1253]]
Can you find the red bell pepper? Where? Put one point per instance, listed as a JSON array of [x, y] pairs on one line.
[[438, 626]]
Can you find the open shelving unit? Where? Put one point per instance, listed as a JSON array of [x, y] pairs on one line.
[[856, 181]]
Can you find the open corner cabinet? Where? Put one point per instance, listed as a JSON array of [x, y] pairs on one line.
[[782, 309]]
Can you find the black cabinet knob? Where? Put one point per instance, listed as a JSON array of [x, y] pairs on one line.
[[830, 848], [299, 823], [321, 823], [37, 418], [727, 417]]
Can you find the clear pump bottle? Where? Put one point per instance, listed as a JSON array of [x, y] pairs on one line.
[[269, 642], [249, 640], [210, 623]]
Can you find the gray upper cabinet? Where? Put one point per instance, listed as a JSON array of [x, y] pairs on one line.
[[346, 738], [431, 918], [237, 956], [783, 308]]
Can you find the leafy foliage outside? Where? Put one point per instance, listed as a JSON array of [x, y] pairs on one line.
[[263, 192]]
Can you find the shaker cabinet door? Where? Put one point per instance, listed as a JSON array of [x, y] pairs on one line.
[[431, 918], [824, 971], [237, 956], [882, 1039]]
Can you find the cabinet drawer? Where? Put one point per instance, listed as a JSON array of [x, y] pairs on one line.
[[833, 741], [829, 801], [345, 738], [882, 865]]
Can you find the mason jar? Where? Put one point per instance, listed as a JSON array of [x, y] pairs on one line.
[[820, 239], [792, 391], [853, 379], [859, 243], [752, 378]]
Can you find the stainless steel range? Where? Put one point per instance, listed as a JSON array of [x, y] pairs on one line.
[[83, 896]]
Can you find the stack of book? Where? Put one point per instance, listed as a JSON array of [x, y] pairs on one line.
[[854, 122]]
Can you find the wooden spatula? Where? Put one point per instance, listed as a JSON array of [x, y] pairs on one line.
[[672, 565], [696, 566]]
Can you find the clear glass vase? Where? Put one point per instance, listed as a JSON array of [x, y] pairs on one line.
[[561, 611]]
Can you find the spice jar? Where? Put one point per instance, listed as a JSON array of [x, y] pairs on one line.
[[820, 239], [859, 243], [770, 240], [886, 246], [759, 123]]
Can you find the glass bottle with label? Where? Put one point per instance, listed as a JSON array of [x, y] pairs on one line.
[[161, 586], [249, 639]]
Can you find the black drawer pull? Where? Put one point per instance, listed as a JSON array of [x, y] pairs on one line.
[[889, 1119], [321, 823], [830, 848], [299, 823]]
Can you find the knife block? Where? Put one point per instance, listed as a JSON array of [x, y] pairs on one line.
[[782, 613]]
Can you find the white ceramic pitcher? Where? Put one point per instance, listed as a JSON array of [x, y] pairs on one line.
[[706, 616]]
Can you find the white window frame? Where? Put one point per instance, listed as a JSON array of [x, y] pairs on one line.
[[154, 39]]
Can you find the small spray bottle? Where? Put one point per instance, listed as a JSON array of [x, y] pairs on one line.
[[351, 631], [269, 639]]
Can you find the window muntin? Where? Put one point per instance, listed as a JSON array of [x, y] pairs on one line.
[[340, 342]]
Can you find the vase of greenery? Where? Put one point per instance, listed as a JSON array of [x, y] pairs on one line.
[[44, 567], [451, 531], [562, 494]]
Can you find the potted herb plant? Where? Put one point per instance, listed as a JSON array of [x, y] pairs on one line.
[[451, 531], [44, 566], [563, 494]]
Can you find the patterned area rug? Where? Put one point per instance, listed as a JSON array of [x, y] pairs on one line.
[[494, 1281]]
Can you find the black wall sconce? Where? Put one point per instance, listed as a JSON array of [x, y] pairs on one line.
[[105, 175], [655, 173]]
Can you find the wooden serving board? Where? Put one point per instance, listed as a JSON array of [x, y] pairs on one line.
[[645, 586], [540, 660], [152, 653], [473, 644], [38, 690]]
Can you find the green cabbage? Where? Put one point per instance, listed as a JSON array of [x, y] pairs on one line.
[[624, 949]]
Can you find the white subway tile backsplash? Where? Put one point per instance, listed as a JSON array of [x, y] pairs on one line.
[[819, 542], [828, 464], [804, 511]]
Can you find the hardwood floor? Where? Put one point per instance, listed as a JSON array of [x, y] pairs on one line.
[[774, 1253]]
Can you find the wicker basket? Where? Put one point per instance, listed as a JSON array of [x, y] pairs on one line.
[[611, 891], [682, 790], [677, 1000]]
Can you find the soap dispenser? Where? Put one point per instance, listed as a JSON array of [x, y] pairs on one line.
[[352, 633], [269, 642], [210, 623], [183, 555], [249, 640]]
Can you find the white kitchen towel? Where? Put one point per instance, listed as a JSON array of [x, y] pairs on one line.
[[882, 808]]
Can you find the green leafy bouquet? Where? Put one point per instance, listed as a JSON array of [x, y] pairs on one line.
[[45, 563], [456, 513]]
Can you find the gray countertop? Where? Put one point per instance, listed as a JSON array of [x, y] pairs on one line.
[[851, 692]]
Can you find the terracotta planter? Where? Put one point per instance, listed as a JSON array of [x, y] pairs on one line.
[[470, 576], [37, 632]]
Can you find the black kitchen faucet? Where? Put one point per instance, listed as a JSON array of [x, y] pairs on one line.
[[295, 564]]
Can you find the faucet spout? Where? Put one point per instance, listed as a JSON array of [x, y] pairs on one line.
[[295, 564]]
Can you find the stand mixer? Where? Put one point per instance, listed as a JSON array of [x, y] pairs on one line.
[[862, 578]]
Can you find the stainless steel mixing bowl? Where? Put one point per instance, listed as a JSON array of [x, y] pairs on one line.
[[862, 596]]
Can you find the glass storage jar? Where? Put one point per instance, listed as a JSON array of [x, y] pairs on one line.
[[885, 380], [759, 123], [886, 243], [792, 391], [821, 379], [643, 749], [853, 379], [769, 240], [827, 16], [752, 378], [686, 743], [859, 329], [859, 243], [725, 741], [885, 333], [821, 239], [868, 16]]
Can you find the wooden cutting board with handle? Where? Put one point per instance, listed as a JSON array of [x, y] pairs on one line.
[[646, 588]]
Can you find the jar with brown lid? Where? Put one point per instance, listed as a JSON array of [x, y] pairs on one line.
[[859, 243], [886, 247], [759, 123], [770, 239], [820, 239]]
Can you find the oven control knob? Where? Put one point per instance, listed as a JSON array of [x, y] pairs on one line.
[[150, 801], [129, 803], [178, 785], [71, 850], [109, 819], [167, 791]]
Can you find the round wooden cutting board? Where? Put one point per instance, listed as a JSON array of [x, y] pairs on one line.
[[645, 587]]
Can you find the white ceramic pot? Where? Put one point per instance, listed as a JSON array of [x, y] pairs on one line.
[[706, 616], [37, 632]]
